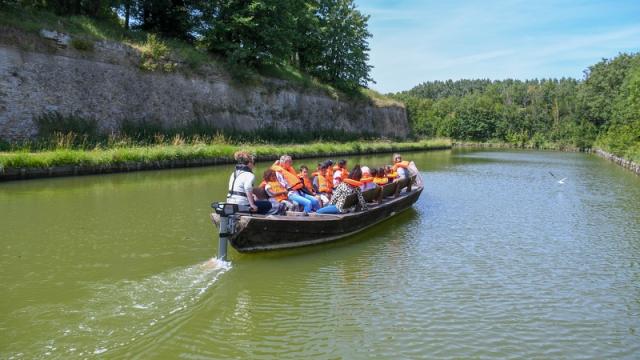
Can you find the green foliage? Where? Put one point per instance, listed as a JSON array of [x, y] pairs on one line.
[[65, 131], [179, 148], [254, 32], [155, 55], [82, 44], [601, 88], [337, 50], [169, 18], [35, 18], [604, 109], [54, 123], [623, 134], [98, 9], [146, 132], [325, 38], [321, 44]]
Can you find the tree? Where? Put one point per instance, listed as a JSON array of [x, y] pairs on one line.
[[602, 85], [339, 53], [253, 32], [169, 18]]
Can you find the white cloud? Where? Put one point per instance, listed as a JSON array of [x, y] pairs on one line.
[[494, 40]]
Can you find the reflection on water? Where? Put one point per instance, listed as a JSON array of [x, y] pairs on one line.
[[495, 260]]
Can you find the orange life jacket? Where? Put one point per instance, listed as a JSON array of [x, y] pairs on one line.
[[324, 186], [380, 180], [276, 187], [329, 175], [290, 169], [352, 182], [292, 179], [366, 179], [392, 175], [401, 164], [307, 183]]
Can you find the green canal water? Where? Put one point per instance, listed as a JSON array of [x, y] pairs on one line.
[[496, 260]]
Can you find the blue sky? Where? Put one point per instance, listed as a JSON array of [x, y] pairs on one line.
[[416, 41]]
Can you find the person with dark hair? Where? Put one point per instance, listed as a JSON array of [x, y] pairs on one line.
[[329, 173], [241, 184], [379, 178], [308, 188], [304, 177], [390, 173], [349, 186], [278, 195]]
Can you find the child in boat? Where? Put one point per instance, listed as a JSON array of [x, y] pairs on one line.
[[340, 172], [379, 177], [367, 179], [313, 176], [323, 185], [349, 186], [308, 183], [277, 193], [390, 174], [329, 173]]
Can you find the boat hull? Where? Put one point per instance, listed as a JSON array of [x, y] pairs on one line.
[[264, 233]]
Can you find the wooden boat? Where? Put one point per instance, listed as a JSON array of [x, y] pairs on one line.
[[252, 233]]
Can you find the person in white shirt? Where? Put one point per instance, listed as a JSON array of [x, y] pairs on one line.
[[241, 184], [402, 172]]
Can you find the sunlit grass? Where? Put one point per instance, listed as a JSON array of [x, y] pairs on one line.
[[200, 150], [380, 99]]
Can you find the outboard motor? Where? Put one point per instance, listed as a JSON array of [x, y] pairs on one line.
[[226, 212]]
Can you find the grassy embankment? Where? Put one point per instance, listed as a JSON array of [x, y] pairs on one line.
[[179, 150], [53, 148]]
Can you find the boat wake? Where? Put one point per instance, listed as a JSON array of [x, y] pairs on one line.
[[117, 314]]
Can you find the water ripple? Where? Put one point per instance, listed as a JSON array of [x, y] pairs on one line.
[[118, 314]]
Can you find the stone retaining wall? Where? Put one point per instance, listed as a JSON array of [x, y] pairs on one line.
[[627, 164], [107, 84]]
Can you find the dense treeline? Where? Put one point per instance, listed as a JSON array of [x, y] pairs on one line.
[[327, 39], [602, 109]]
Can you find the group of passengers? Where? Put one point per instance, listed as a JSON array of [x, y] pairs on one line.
[[324, 192]]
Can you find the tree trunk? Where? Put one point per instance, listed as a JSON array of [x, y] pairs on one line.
[[127, 13]]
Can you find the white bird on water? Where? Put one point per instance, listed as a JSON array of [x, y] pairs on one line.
[[561, 181]]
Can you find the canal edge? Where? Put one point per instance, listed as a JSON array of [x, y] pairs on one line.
[[16, 174], [625, 163]]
